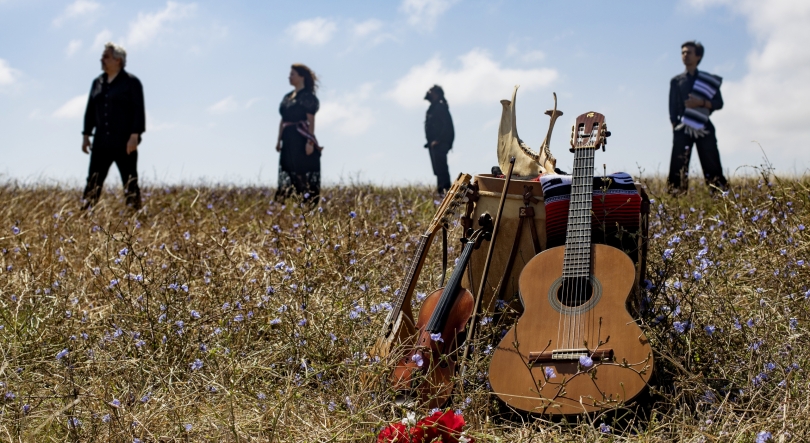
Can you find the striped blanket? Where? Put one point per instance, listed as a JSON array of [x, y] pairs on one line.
[[616, 210], [695, 119]]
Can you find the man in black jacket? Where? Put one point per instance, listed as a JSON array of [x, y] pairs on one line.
[[440, 135], [693, 96], [115, 110]]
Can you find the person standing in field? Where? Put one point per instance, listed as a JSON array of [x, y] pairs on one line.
[[115, 118], [440, 134], [693, 96], [299, 168]]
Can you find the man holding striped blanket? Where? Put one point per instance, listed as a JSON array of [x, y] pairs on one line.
[[693, 96]]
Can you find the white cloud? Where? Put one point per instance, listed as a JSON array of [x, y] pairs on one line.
[[371, 26], [101, 38], [230, 104], [769, 103], [479, 79], [76, 9], [315, 31], [148, 26], [74, 108], [227, 104], [347, 113], [528, 56], [154, 125], [371, 32], [533, 56], [73, 46], [253, 101], [424, 14], [8, 75]]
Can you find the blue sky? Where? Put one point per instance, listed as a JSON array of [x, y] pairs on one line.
[[214, 73]]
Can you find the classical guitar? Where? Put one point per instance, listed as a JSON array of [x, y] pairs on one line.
[[425, 373], [575, 348], [399, 325]]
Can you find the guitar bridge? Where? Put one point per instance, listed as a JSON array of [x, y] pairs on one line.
[[562, 355]]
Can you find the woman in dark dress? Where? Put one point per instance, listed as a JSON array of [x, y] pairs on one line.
[[299, 169]]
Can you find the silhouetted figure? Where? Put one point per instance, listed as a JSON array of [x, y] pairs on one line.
[[440, 134], [693, 96], [115, 110], [299, 168]]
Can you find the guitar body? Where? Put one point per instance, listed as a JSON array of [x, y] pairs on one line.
[[543, 328], [431, 383]]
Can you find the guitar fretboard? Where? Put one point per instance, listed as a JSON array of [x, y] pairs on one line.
[[408, 282], [577, 258]]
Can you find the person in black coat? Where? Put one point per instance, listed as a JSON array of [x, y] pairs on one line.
[[440, 134], [299, 168], [115, 117]]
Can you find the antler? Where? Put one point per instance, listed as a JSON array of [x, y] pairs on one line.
[[546, 159], [510, 145], [528, 163]]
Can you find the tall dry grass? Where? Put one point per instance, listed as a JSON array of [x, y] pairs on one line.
[[216, 314]]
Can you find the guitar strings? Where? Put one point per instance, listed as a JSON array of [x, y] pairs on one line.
[[583, 190], [587, 233], [570, 259], [586, 226]]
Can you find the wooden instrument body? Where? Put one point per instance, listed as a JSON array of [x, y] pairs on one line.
[[401, 331], [574, 389], [433, 379]]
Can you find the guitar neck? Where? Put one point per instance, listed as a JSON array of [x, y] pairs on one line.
[[405, 290], [577, 258]]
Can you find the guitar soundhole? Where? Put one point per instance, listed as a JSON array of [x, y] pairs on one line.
[[575, 291]]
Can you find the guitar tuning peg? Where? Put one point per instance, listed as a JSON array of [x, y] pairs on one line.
[[465, 199]]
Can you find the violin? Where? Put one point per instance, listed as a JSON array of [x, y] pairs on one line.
[[575, 349], [425, 373]]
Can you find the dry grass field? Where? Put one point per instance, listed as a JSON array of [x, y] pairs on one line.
[[217, 315]]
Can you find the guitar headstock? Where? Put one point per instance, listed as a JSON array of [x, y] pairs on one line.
[[589, 131], [453, 199]]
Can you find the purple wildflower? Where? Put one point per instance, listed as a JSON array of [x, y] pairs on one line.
[[585, 361]]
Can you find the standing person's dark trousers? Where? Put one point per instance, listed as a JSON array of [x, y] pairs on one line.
[[101, 158], [707, 152], [438, 158]]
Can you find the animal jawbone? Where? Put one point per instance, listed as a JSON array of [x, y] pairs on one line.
[[528, 163]]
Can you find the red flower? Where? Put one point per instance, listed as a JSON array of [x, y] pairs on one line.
[[445, 425], [393, 433]]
